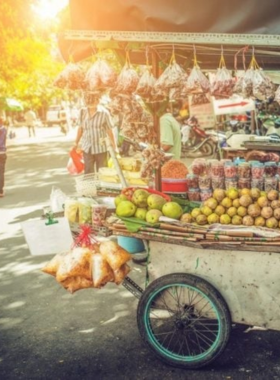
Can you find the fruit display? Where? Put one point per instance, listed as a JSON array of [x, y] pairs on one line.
[[146, 205], [248, 207]]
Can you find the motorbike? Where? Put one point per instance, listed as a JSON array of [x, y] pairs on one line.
[[196, 142]]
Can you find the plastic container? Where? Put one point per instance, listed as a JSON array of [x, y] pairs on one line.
[[205, 194], [218, 183], [231, 183], [244, 170], [270, 169], [257, 171], [204, 182], [244, 183], [199, 166], [217, 169], [257, 183], [270, 183], [174, 185], [230, 170], [194, 195], [192, 181], [131, 244]]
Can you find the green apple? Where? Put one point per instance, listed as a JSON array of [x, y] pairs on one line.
[[153, 216], [172, 210], [119, 199], [141, 213], [139, 198], [125, 208], [155, 201]]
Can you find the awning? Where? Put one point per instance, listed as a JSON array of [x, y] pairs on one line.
[[207, 24]]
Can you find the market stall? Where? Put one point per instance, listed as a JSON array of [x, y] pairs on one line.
[[213, 262]]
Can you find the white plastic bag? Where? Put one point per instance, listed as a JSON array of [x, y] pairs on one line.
[[57, 200]]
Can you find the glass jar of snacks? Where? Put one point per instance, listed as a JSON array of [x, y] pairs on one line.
[[194, 195], [205, 194], [225, 161], [257, 183], [270, 183], [217, 169], [192, 181], [204, 182], [270, 169], [244, 183], [231, 182], [209, 164], [230, 170], [199, 167], [244, 170], [278, 169], [218, 183], [257, 171]]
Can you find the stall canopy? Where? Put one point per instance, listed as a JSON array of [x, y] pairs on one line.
[[207, 24]]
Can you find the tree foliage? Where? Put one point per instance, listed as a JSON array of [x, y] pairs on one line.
[[29, 59]]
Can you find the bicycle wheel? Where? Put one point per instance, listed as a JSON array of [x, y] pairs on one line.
[[184, 320]]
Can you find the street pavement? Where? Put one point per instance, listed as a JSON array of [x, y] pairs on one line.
[[47, 333]]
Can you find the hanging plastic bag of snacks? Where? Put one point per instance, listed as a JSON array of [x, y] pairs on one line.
[[197, 81], [146, 84], [171, 77], [128, 79], [71, 78], [100, 75], [222, 86]]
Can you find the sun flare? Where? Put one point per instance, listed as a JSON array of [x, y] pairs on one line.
[[48, 9]]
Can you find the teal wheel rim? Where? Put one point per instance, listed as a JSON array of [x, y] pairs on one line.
[[182, 323]]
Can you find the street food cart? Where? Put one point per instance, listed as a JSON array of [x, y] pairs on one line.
[[197, 288]]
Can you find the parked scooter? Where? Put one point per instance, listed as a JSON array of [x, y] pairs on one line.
[[196, 142]]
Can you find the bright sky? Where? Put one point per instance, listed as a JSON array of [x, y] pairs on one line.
[[48, 9]]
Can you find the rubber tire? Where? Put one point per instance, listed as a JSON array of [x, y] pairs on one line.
[[204, 289], [207, 149]]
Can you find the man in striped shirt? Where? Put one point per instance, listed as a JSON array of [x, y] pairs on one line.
[[91, 133]]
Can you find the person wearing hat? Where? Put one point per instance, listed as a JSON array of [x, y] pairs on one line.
[[94, 123], [3, 155]]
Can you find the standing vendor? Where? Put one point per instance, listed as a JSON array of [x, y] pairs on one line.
[[170, 134], [92, 131]]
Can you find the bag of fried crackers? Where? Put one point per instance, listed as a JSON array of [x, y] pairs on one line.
[[89, 263]]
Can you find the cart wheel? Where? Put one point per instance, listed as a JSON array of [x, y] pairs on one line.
[[184, 320]]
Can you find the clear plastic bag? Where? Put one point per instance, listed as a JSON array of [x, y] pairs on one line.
[[146, 84], [171, 77], [197, 81], [76, 263], [72, 78], [121, 273], [72, 284], [100, 75], [115, 255], [222, 86], [101, 271], [127, 80], [52, 266], [57, 200]]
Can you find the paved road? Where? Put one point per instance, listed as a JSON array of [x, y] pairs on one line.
[[46, 333]]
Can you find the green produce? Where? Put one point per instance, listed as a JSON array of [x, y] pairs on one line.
[[232, 193], [196, 211], [125, 208], [172, 210], [206, 210], [155, 201], [139, 197], [220, 210], [272, 195], [141, 213], [186, 218], [118, 199], [245, 200], [267, 212], [271, 222], [242, 211], [211, 202], [236, 220], [153, 216], [219, 194], [225, 219], [263, 201], [255, 193], [226, 202], [201, 219], [259, 221], [254, 210], [213, 218], [232, 211], [248, 220]]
